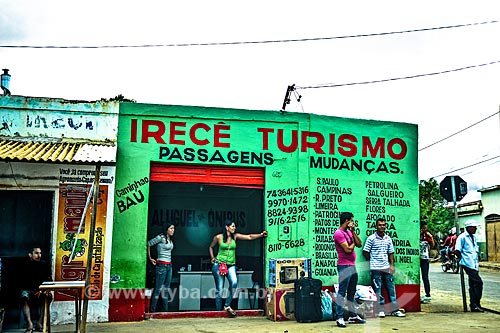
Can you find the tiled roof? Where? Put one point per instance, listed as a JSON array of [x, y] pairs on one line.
[[40, 150]]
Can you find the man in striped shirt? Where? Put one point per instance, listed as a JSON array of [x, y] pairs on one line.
[[379, 250]]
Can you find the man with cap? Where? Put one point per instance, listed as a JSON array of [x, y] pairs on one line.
[[467, 250]]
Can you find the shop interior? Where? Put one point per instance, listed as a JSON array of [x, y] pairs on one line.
[[198, 212]]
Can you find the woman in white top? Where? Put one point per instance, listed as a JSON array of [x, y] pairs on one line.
[[163, 263]]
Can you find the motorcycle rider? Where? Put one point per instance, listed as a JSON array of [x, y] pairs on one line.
[[449, 246]]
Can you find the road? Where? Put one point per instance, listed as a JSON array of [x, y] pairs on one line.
[[449, 283]]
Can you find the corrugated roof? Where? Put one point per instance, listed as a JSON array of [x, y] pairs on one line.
[[69, 152]]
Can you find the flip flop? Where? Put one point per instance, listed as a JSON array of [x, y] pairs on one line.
[[230, 311], [29, 330]]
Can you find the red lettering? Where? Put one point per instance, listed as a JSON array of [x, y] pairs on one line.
[[347, 147], [218, 135], [133, 131], [71, 224], [293, 145], [73, 211], [174, 132], [155, 134], [75, 198], [73, 271], [331, 150], [368, 148], [265, 136], [193, 137], [317, 145], [390, 148]]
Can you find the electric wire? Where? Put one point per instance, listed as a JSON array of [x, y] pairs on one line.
[[458, 132], [333, 85], [472, 171], [293, 40], [467, 166], [298, 98]]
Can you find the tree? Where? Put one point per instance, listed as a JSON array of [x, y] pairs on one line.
[[433, 208]]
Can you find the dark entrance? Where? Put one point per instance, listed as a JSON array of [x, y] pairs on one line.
[[198, 210], [25, 221]]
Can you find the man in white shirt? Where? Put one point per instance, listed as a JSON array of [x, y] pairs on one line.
[[467, 250], [379, 250]]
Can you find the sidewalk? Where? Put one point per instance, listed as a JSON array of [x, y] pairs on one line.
[[450, 321], [443, 314], [489, 265]]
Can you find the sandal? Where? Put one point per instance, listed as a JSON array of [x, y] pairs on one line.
[[230, 311], [29, 330]]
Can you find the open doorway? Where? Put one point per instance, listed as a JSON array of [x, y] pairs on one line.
[[25, 221], [198, 211]]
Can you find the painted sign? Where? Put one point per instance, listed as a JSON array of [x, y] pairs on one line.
[[72, 200], [315, 168]]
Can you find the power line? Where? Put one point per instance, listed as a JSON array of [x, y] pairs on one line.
[[246, 42], [462, 130], [332, 85], [468, 166], [472, 171]]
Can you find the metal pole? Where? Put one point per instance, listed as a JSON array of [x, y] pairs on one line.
[[462, 279], [286, 101], [72, 255], [83, 324]]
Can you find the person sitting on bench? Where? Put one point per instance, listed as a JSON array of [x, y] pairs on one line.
[[34, 272]]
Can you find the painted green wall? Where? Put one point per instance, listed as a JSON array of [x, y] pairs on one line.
[[339, 164]]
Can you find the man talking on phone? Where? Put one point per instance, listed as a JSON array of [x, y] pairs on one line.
[[345, 240]]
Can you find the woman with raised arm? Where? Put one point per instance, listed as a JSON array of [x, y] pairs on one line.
[[226, 257]]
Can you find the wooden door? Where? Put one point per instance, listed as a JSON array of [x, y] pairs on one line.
[[493, 234]]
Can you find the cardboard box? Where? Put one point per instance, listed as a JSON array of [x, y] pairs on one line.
[[280, 304], [283, 272]]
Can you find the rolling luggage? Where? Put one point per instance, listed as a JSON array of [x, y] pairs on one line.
[[308, 300]]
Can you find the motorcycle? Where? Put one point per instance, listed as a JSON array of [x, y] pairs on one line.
[[451, 265]]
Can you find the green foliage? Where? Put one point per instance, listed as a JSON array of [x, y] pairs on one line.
[[118, 98], [433, 208]]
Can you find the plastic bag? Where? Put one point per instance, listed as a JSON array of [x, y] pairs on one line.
[[365, 293], [326, 305]]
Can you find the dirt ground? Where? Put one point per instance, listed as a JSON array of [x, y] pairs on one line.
[[443, 314]]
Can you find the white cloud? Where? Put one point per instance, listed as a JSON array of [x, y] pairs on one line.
[[255, 76]]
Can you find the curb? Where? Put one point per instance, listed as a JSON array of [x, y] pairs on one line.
[[493, 266]]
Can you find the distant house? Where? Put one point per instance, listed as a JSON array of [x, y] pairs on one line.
[[483, 206], [490, 198]]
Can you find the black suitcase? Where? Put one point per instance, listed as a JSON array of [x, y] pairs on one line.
[[308, 300]]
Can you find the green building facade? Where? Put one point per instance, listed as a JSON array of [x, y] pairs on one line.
[[291, 174]]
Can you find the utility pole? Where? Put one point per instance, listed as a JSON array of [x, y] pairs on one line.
[[462, 279], [286, 101], [87, 290]]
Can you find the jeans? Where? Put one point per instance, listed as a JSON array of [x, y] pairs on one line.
[[475, 286], [163, 278], [384, 278], [348, 279], [219, 284], [424, 267], [444, 253]]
